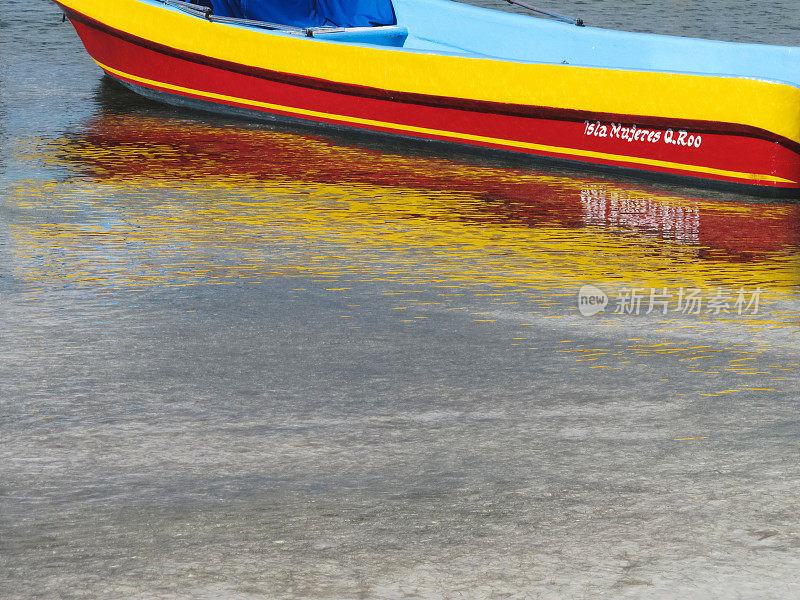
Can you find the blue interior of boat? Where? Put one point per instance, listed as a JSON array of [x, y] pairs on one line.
[[308, 13]]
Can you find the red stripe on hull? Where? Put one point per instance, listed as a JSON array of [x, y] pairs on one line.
[[719, 151]]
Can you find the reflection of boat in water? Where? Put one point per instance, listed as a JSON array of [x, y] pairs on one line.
[[446, 71], [130, 147]]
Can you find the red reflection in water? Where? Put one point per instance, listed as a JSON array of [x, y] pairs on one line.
[[158, 148]]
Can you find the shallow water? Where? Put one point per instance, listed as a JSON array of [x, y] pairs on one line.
[[242, 360]]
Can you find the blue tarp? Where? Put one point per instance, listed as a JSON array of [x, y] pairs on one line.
[[308, 13]]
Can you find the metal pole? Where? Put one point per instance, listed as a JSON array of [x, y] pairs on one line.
[[578, 22]]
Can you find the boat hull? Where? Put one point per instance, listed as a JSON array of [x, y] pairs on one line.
[[723, 151]]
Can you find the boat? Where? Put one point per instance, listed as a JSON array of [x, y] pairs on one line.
[[442, 70]]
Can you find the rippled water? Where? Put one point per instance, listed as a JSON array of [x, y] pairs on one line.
[[241, 360]]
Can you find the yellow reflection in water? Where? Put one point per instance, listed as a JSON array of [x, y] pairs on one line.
[[151, 201]]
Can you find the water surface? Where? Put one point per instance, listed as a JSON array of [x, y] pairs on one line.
[[242, 360]]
